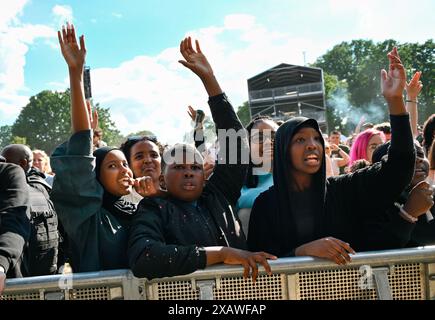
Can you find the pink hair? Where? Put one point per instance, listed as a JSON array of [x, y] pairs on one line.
[[359, 147]]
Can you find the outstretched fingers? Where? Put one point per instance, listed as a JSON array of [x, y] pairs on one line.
[[415, 79], [59, 37], [189, 46], [64, 34], [82, 43], [198, 48], [73, 35]]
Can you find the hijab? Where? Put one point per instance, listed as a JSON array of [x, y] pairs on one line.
[[282, 166], [114, 204]]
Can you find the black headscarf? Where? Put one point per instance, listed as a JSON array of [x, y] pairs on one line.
[[282, 180], [114, 204]]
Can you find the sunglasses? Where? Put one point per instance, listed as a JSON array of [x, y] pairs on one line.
[[134, 139], [261, 137]]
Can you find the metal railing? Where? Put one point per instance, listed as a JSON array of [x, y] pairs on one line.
[[406, 274]]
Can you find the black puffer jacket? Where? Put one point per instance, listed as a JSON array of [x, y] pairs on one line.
[[167, 235], [14, 219]]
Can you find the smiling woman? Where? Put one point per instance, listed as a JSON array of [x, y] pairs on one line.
[[89, 187]]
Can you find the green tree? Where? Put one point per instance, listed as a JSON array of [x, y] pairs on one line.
[[359, 62], [45, 122], [19, 140], [111, 135], [336, 96], [243, 113], [5, 136]]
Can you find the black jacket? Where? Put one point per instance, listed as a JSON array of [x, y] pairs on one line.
[[166, 237], [346, 201], [14, 218]]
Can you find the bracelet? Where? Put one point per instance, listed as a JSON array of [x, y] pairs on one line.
[[405, 215], [414, 101]]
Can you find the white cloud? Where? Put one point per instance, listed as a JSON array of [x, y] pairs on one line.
[[9, 10], [15, 39], [239, 22], [380, 20], [153, 92], [62, 14]]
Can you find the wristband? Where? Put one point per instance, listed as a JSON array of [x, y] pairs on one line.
[[405, 215], [414, 101]]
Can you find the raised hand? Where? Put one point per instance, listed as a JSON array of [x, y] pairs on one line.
[[75, 58], [413, 87], [195, 60], [73, 54], [393, 82], [328, 248], [192, 113]]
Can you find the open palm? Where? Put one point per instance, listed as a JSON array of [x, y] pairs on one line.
[[73, 54], [393, 83], [195, 60]]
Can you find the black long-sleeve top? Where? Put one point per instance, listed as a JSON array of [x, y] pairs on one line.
[[14, 218], [167, 236], [349, 200]]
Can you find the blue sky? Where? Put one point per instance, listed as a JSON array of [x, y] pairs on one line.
[[133, 48]]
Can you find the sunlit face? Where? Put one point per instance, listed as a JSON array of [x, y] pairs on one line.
[[115, 174], [145, 160], [262, 139], [184, 181], [306, 151], [374, 142], [39, 161], [334, 139]]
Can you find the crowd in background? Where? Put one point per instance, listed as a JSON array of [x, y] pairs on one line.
[[278, 189]]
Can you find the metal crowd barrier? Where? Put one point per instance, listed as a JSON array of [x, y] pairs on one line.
[[406, 274]]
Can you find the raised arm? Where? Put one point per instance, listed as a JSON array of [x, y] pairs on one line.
[[393, 84], [75, 59], [230, 170], [413, 89], [196, 61]]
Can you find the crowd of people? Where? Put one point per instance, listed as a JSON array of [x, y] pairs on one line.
[[262, 192]]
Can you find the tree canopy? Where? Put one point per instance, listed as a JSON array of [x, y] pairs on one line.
[[356, 88], [45, 122]]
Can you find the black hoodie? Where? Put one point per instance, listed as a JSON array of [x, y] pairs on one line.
[[338, 205]]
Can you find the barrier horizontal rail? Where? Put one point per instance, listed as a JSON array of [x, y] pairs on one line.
[[411, 274]]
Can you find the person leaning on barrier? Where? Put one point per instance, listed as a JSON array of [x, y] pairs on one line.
[[42, 252], [305, 214], [195, 225], [14, 221], [89, 186]]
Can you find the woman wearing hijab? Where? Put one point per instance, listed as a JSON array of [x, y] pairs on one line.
[[305, 214], [88, 188]]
